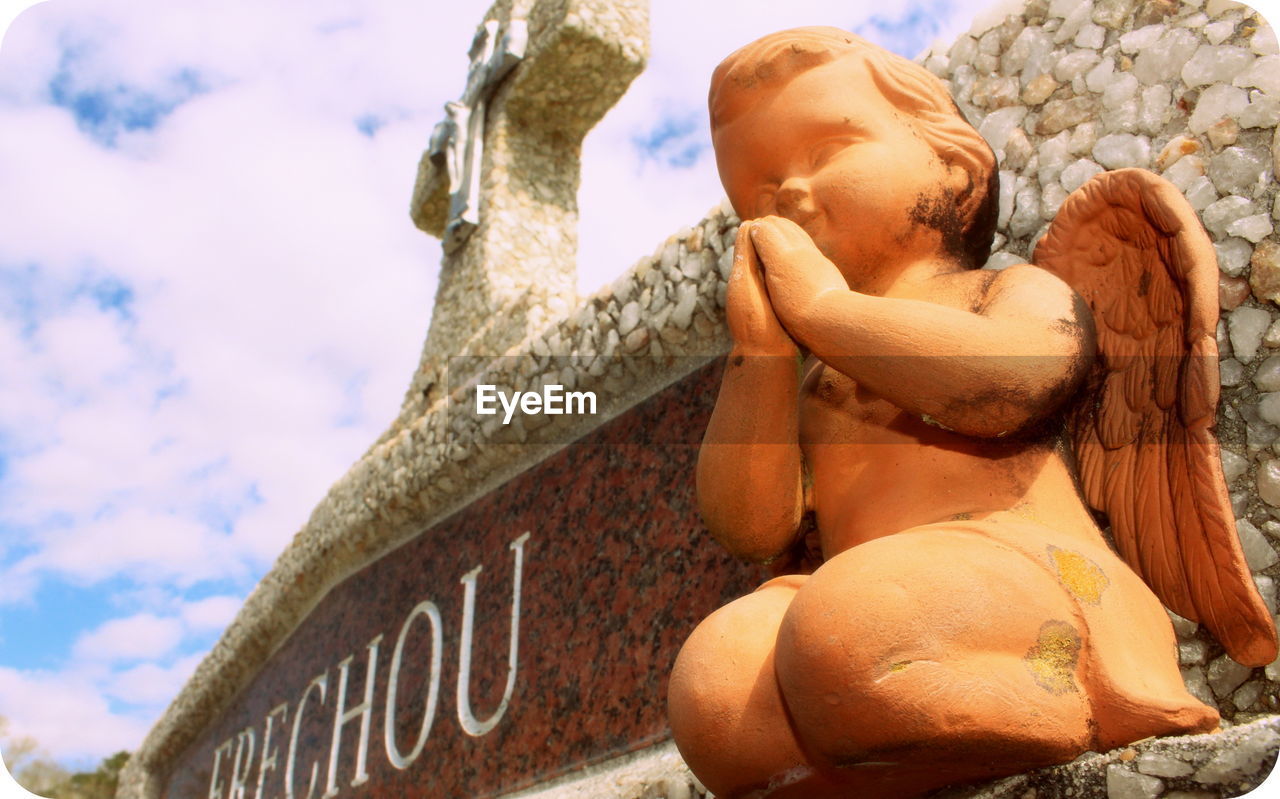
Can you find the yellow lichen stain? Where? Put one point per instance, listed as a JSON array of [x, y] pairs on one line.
[[900, 665], [1081, 576], [1052, 660]]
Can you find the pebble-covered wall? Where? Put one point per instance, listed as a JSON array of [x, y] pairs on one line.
[[1063, 90]]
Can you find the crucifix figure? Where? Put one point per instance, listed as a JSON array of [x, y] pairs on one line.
[[457, 143], [499, 183]]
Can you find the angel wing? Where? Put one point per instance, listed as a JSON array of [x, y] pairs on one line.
[[1130, 244]]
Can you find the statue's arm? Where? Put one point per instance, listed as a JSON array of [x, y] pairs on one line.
[[749, 474], [986, 372]]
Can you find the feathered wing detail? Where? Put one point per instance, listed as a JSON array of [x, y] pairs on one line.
[[1133, 248]]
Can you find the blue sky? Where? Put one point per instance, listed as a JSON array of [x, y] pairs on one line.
[[212, 298]]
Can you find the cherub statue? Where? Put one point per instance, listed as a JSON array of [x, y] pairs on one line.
[[947, 433]]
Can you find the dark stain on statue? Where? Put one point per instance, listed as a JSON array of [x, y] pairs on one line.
[[939, 211]]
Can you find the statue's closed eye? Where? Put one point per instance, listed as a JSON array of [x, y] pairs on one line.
[[826, 149]]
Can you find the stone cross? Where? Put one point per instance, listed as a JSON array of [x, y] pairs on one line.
[[499, 183]]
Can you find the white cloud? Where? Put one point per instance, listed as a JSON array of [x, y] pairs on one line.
[[210, 613], [150, 684], [68, 714], [139, 637], [144, 545]]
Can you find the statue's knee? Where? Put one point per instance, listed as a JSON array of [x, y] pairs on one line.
[[857, 637], [718, 664], [849, 619], [723, 702], [825, 662]]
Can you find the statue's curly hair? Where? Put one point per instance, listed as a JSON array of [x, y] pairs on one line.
[[772, 61]]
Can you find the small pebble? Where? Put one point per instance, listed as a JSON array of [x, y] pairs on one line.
[[1230, 372], [1247, 695], [1190, 653], [1224, 132], [1233, 256], [1233, 466], [1266, 589], [1125, 784], [1269, 482], [1225, 675], [1161, 765], [1232, 291], [1177, 147], [1201, 193], [1269, 407], [1246, 326], [1255, 228], [1258, 552], [1264, 273], [1182, 627]]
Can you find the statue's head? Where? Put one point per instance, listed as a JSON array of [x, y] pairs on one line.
[[785, 106]]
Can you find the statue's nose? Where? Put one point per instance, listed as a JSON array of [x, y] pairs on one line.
[[795, 202]]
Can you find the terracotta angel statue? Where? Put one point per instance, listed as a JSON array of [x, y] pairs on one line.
[[944, 442]]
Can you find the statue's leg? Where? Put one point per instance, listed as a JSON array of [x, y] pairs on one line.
[[1135, 684], [932, 657], [726, 713]]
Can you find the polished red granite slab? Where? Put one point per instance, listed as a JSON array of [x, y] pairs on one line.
[[615, 572]]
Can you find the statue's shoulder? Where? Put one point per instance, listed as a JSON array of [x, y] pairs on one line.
[[1023, 279], [1021, 289]]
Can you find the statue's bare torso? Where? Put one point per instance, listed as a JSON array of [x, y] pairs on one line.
[[876, 469]]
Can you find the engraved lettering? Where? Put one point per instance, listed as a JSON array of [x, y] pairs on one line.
[[425, 608], [245, 742], [215, 785], [321, 684], [342, 716], [470, 724], [269, 754]]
